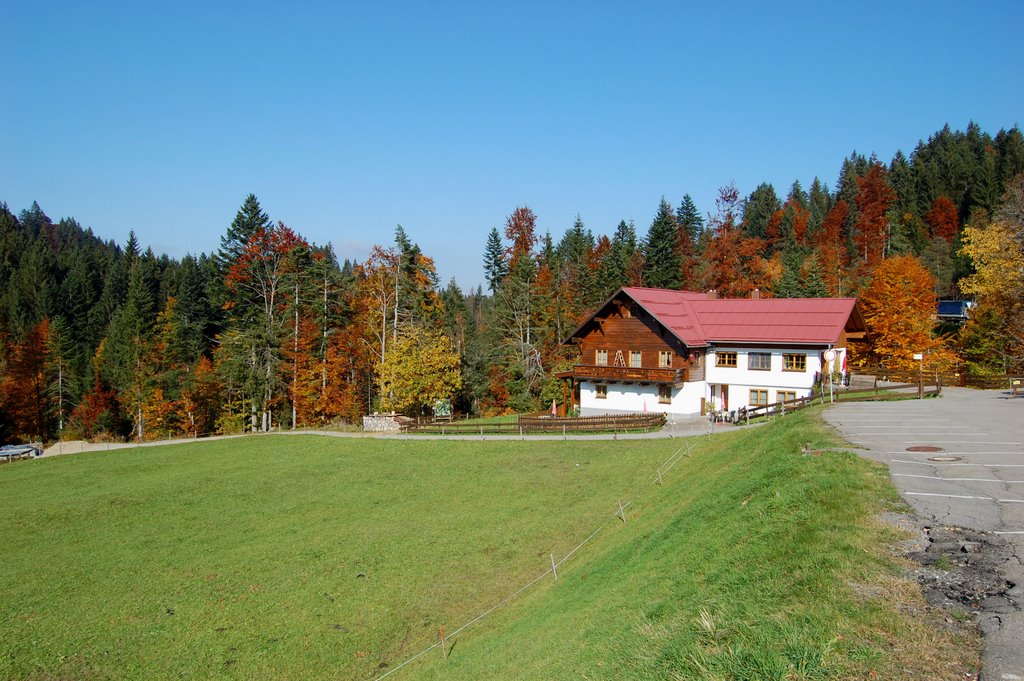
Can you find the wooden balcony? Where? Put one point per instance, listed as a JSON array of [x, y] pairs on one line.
[[593, 372]]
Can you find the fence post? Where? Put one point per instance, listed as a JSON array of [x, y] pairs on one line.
[[554, 570]]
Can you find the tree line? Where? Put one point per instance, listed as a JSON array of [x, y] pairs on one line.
[[99, 339]]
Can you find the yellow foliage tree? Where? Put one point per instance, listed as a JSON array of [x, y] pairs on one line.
[[421, 368], [993, 338], [998, 257], [899, 308]]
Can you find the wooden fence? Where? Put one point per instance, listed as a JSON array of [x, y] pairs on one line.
[[957, 378], [896, 390], [547, 424]]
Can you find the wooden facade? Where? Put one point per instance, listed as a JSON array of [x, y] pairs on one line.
[[609, 342]]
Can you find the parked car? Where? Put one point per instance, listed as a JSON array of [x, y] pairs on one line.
[[14, 452]]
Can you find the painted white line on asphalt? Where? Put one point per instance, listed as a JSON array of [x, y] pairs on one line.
[[930, 442], [953, 452], [901, 421], [962, 496], [947, 463], [960, 442], [1008, 532], [946, 496], [936, 477]]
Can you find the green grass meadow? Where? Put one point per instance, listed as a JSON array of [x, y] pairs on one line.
[[317, 557]]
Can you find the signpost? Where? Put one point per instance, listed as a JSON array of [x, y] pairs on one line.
[[920, 375], [830, 356]]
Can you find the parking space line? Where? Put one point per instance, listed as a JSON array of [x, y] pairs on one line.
[[946, 496], [937, 477], [959, 463]]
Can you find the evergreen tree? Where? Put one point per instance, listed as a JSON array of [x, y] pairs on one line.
[[758, 210], [689, 219], [248, 221], [495, 262], [662, 264]]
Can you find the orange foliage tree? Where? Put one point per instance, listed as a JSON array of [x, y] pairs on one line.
[[899, 308], [871, 230], [943, 219]]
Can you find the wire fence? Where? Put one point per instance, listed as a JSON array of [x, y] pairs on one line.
[[619, 514]]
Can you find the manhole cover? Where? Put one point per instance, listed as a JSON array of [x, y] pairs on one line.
[[944, 458], [924, 448]]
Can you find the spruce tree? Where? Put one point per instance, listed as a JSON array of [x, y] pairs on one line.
[[249, 220], [662, 263], [758, 210], [495, 263]]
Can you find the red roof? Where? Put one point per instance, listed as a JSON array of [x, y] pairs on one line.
[[697, 320]]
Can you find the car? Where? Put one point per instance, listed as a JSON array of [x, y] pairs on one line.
[[14, 452]]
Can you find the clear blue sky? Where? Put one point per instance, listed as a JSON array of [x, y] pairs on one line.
[[346, 119]]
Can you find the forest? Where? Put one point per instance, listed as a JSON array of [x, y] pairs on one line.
[[100, 339]]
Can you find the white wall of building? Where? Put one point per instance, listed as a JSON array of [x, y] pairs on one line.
[[741, 379], [686, 400]]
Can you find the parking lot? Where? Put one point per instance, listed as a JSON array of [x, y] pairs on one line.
[[958, 460]]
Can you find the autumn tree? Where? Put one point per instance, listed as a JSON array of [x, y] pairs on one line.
[[872, 229], [261, 273], [422, 370], [899, 310], [996, 250]]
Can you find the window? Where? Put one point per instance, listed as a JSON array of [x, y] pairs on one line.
[[698, 360], [665, 359], [785, 396], [601, 358], [794, 362], [760, 361], [758, 397], [725, 359], [664, 394], [601, 391], [635, 359]]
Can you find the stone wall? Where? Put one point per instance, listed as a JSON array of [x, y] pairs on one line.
[[385, 423]]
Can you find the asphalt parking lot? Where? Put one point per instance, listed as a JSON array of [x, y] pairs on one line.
[[958, 460]]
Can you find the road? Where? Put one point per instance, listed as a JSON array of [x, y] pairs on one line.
[[958, 460]]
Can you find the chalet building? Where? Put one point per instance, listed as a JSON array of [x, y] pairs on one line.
[[685, 353]]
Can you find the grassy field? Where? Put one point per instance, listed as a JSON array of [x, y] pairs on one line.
[[317, 557]]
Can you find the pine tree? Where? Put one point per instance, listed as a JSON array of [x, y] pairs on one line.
[[495, 262], [689, 219], [249, 220], [662, 264], [758, 210]]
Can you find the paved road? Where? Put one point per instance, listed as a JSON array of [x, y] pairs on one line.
[[974, 480]]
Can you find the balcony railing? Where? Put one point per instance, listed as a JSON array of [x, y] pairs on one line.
[[593, 372]]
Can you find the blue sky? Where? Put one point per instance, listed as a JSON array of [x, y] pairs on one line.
[[346, 119]]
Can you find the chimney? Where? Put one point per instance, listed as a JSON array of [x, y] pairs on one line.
[[755, 294], [712, 294]]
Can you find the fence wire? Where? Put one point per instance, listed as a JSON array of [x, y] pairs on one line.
[[665, 467]]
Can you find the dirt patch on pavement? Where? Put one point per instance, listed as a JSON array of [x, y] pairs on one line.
[[963, 570]]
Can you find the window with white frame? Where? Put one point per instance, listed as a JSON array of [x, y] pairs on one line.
[[601, 358], [635, 359], [665, 359]]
